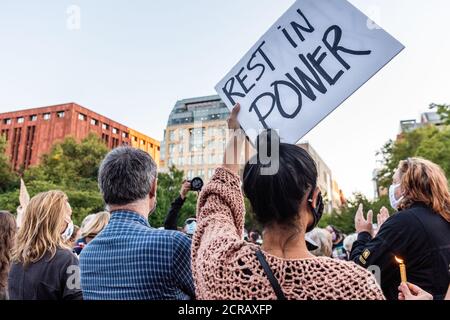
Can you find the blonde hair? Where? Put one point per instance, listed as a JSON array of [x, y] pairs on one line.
[[7, 231], [324, 241], [95, 225], [40, 233], [424, 181]]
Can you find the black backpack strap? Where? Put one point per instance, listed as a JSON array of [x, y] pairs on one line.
[[273, 281]]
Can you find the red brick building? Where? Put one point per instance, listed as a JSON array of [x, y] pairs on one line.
[[31, 133]]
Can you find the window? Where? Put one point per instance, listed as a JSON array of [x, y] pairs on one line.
[[124, 135], [201, 173], [33, 117], [20, 120], [143, 142], [46, 116], [211, 132], [105, 126], [60, 114], [135, 139], [151, 145], [180, 148], [190, 174], [212, 159], [171, 148], [6, 121], [82, 117], [159, 148], [115, 142], [105, 139], [115, 130], [210, 173], [94, 122], [196, 139], [5, 133], [171, 135]]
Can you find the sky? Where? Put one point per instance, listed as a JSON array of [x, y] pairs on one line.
[[132, 60]]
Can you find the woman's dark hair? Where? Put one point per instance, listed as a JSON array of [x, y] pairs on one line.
[[276, 198]]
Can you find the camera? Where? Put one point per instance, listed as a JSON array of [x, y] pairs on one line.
[[196, 184]]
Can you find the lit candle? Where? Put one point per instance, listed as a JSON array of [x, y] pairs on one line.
[[402, 267]]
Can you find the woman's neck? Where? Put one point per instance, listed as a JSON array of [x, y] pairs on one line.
[[285, 242]]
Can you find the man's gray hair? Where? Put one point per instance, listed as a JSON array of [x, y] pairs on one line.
[[126, 175]]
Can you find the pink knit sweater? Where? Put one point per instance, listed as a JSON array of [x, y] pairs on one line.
[[225, 266]]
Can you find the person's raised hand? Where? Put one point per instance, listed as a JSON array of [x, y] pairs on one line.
[[362, 224], [382, 217], [233, 150], [409, 291], [232, 121], [185, 187]]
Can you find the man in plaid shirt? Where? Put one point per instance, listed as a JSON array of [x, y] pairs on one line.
[[130, 260]]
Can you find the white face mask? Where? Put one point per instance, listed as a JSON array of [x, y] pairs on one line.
[[394, 202], [68, 232], [190, 228]]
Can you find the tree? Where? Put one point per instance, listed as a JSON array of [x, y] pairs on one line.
[[429, 142], [71, 167], [169, 185], [8, 179], [444, 111], [71, 164], [344, 218]]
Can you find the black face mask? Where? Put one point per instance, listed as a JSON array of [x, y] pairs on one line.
[[317, 212]]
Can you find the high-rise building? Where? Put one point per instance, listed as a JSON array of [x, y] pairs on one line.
[[195, 136], [31, 133], [324, 177], [426, 118]]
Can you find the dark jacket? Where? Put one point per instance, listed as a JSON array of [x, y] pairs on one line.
[[48, 279], [81, 243], [421, 238], [172, 216]]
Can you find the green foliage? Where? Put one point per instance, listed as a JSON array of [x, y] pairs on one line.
[[8, 180], [169, 185], [344, 218], [429, 142], [250, 219], [9, 200], [444, 111], [71, 164], [71, 167]]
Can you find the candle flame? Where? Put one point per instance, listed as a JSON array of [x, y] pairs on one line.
[[399, 260]]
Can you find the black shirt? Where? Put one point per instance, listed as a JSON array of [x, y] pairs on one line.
[[47, 279], [421, 238], [172, 216]]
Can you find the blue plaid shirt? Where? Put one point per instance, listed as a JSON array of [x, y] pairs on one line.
[[129, 260]]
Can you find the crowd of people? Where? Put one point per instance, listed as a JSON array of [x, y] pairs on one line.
[[116, 254]]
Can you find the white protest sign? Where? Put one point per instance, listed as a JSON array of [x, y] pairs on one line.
[[312, 59]]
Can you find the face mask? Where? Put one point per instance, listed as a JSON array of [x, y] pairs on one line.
[[394, 202], [317, 211], [190, 228], [68, 232]]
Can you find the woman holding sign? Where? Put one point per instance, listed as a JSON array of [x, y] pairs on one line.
[[287, 203]]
